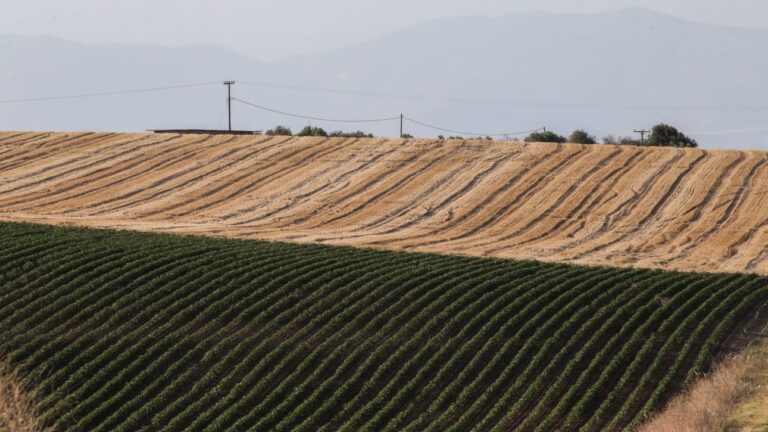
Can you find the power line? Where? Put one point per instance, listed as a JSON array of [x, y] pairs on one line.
[[110, 93], [521, 103], [316, 118], [471, 133], [730, 132], [400, 117]]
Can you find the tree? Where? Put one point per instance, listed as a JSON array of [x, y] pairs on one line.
[[280, 131], [546, 136], [313, 132], [663, 135], [580, 136], [407, 136]]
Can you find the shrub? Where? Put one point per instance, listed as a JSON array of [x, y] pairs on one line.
[[580, 136], [280, 131], [620, 140], [545, 136], [356, 134], [313, 131]]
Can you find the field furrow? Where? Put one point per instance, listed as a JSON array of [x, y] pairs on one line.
[[681, 209]]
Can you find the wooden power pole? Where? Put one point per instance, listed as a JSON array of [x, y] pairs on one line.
[[642, 133], [229, 85]]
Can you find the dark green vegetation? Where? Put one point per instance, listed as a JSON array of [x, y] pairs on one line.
[[279, 131], [316, 132], [130, 331], [545, 136], [663, 135], [580, 136]]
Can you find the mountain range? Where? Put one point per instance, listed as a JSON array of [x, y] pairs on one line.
[[609, 73]]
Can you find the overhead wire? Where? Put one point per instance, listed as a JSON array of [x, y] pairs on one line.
[[730, 132], [109, 93], [316, 118], [521, 103], [471, 133]]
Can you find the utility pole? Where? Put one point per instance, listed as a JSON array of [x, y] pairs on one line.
[[401, 125], [642, 133], [229, 85]]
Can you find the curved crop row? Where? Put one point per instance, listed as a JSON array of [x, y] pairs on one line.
[[129, 331]]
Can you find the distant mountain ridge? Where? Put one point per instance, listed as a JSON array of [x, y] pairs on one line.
[[608, 73]]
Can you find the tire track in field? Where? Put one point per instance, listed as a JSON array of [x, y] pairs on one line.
[[623, 209], [88, 157], [400, 211], [31, 137], [26, 155], [399, 185], [360, 190], [463, 191], [466, 188], [660, 204], [315, 151], [216, 172], [725, 219], [44, 150], [168, 189], [79, 168], [304, 197], [580, 220], [7, 143], [515, 204], [125, 175], [280, 193], [181, 156], [10, 137], [221, 183], [697, 210], [572, 214], [68, 162], [493, 196]]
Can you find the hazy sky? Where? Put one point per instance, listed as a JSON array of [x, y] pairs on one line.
[[271, 28]]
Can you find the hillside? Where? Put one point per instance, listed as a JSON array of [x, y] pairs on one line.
[[626, 206], [127, 331]]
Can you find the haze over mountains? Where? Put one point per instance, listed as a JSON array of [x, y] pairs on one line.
[[608, 73]]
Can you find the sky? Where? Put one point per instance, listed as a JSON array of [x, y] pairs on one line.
[[269, 29]]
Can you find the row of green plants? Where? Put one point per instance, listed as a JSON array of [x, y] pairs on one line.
[[128, 331]]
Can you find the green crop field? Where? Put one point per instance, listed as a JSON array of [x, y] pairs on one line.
[[128, 332]]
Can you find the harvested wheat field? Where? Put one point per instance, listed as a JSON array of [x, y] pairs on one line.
[[681, 209]]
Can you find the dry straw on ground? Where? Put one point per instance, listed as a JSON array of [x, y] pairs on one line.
[[17, 413], [716, 403], [684, 209]]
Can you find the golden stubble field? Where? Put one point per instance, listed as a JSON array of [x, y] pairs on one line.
[[683, 209]]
